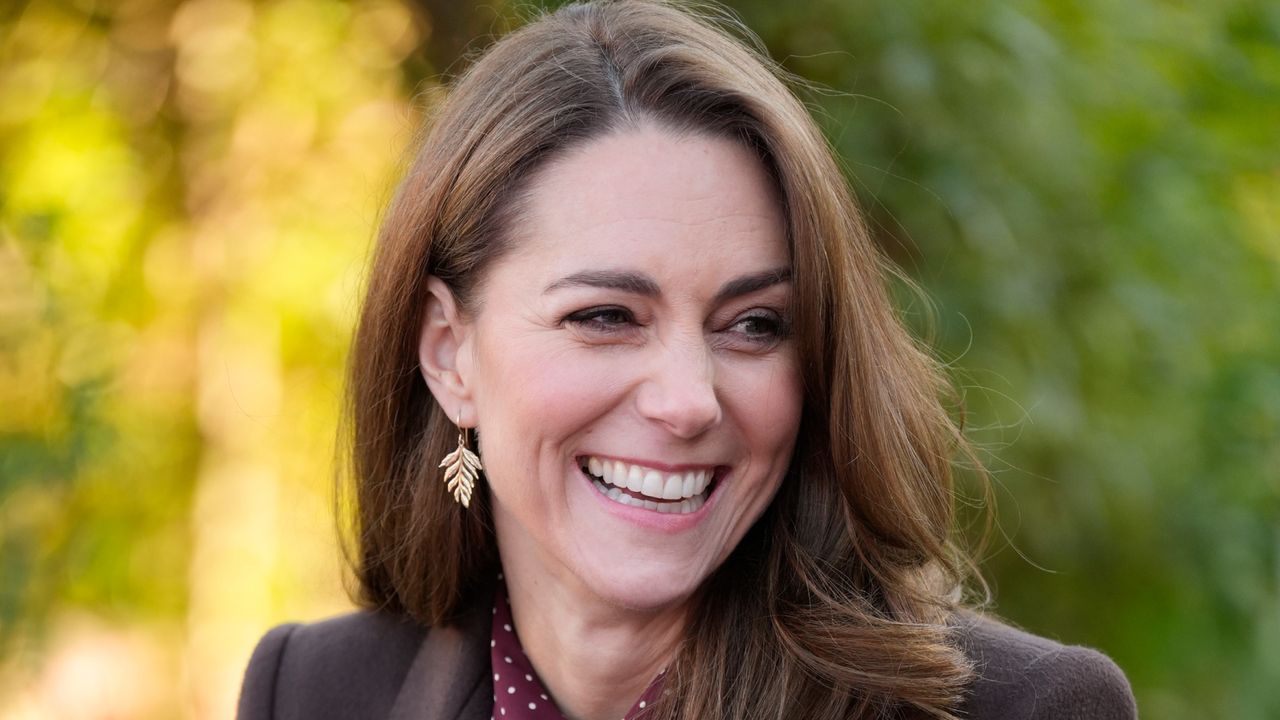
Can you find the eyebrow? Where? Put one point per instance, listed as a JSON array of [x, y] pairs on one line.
[[642, 284], [753, 283], [631, 282]]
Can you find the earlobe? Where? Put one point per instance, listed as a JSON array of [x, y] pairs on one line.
[[440, 342]]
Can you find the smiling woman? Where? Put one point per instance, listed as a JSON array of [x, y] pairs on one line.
[[716, 470], [637, 328]]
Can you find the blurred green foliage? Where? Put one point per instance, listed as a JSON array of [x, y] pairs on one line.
[[1089, 190]]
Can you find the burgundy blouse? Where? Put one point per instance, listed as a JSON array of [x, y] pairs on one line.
[[518, 694]]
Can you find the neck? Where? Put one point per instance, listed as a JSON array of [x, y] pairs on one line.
[[596, 659]]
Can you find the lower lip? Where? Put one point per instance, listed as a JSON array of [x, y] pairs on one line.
[[652, 519]]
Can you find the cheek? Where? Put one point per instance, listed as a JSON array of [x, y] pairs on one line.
[[533, 402], [768, 402], [549, 394]]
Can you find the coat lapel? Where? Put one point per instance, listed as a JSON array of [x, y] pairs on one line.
[[449, 678]]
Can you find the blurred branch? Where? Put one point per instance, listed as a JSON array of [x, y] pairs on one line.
[[459, 31]]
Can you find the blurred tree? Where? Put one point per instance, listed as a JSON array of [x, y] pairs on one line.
[[187, 191]]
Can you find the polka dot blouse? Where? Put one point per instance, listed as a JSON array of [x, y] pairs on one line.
[[518, 694]]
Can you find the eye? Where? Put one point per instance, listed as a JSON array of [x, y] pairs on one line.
[[604, 319], [762, 326]]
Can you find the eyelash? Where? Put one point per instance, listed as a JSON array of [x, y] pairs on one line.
[[593, 319], [779, 326]]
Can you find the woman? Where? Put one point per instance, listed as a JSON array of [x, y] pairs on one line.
[[716, 472]]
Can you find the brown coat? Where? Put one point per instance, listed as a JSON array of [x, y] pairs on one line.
[[372, 665]]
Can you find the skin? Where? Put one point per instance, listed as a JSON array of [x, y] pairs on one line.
[[668, 371]]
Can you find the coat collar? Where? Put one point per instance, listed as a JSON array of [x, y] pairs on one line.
[[450, 678]]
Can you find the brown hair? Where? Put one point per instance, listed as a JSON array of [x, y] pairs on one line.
[[834, 604]]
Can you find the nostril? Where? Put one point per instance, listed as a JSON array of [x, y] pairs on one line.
[[687, 411], [680, 392]]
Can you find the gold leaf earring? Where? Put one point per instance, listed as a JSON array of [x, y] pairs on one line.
[[461, 468]]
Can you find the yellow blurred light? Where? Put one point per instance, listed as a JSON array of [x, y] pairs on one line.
[[384, 32]]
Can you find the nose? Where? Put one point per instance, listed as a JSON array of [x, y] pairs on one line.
[[680, 392]]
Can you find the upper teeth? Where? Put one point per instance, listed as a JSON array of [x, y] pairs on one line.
[[648, 481]]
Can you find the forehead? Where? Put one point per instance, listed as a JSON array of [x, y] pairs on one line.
[[648, 196]]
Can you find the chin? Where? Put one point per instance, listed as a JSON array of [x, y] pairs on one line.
[[648, 589]]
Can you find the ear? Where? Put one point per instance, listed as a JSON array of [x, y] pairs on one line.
[[441, 344]]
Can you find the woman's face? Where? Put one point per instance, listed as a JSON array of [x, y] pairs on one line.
[[633, 383]]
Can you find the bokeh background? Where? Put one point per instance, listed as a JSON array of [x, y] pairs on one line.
[[1089, 190]]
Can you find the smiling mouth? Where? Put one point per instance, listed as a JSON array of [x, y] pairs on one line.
[[649, 488]]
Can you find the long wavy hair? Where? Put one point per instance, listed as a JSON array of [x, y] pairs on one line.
[[835, 603]]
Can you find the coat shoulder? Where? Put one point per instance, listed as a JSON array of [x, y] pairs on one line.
[[1020, 675], [351, 666]]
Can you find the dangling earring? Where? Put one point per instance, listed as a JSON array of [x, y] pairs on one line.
[[461, 468]]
